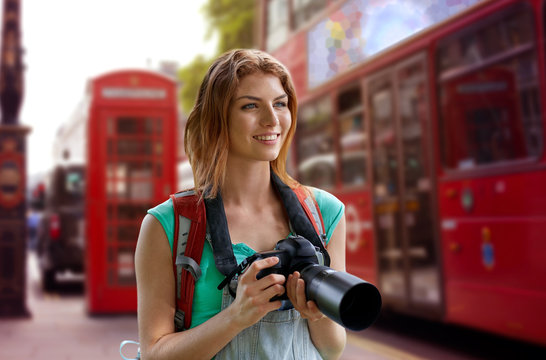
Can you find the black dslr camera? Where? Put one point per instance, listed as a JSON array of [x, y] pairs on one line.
[[295, 253], [344, 298]]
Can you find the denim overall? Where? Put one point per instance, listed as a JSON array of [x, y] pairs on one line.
[[280, 335]]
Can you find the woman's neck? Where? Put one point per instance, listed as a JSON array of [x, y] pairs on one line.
[[249, 184], [254, 212]]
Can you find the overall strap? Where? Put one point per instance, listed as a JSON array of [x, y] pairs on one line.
[[188, 243]]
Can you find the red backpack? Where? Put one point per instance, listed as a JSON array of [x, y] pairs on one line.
[[190, 232]]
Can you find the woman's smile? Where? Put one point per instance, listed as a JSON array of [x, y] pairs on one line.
[[267, 139], [259, 118]]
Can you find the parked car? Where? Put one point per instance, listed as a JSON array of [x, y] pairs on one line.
[[61, 231]]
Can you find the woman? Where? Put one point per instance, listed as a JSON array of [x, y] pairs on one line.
[[237, 134]]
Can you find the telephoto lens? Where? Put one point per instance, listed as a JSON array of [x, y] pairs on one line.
[[344, 298]]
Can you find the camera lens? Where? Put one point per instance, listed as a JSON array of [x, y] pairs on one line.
[[344, 298], [357, 309]]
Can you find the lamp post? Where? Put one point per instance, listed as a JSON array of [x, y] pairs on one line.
[[12, 169]]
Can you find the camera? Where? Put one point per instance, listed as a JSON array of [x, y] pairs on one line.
[[344, 298]]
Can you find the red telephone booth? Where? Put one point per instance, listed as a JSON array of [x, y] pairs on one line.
[[131, 162]]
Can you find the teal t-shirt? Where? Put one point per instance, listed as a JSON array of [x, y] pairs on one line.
[[207, 299]]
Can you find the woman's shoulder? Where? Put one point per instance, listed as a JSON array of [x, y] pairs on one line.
[[331, 209], [326, 200], [164, 212], [165, 208]]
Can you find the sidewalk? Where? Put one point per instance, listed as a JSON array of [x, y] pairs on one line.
[[60, 329]]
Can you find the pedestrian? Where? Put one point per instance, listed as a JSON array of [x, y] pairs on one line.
[[33, 222], [237, 138]]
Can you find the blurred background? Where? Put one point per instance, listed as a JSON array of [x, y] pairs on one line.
[[424, 117]]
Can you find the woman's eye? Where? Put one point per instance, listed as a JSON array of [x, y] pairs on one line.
[[280, 104], [249, 106]]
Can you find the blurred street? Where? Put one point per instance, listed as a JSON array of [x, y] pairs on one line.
[[426, 119], [60, 329]]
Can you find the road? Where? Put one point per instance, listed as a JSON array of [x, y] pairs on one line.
[[60, 329]]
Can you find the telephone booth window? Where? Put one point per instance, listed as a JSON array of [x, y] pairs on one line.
[[135, 149]]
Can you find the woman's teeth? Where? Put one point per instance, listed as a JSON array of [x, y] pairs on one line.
[[266, 137]]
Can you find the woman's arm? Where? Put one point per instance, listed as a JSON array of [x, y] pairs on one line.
[[156, 302], [327, 336]]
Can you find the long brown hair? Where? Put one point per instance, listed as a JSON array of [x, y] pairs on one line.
[[206, 139]]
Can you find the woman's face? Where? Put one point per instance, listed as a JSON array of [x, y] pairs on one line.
[[258, 118]]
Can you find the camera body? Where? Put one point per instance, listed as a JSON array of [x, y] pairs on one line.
[[344, 298], [295, 253]]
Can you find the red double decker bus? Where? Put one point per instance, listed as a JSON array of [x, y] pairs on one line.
[[426, 119]]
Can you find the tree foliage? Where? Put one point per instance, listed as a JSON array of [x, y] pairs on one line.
[[191, 76], [232, 21]]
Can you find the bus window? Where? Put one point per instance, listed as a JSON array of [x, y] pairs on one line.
[[412, 109], [75, 183], [417, 191], [277, 23], [315, 145], [385, 163], [68, 184], [353, 138], [489, 104], [304, 10], [386, 193]]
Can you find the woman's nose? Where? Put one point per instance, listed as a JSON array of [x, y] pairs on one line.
[[270, 117]]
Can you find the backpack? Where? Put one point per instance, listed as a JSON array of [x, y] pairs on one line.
[[190, 232]]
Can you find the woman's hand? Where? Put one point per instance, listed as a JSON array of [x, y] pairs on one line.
[[253, 296], [295, 289]]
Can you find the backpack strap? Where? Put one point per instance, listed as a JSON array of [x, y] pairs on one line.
[[312, 210], [188, 243]]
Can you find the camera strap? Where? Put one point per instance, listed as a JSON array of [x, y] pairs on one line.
[[236, 272], [300, 217], [224, 259], [300, 222]]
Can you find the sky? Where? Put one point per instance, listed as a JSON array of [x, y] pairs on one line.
[[67, 42]]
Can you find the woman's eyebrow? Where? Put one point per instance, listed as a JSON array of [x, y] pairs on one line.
[[250, 97], [280, 97]]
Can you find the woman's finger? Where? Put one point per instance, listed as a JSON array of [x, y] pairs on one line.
[[260, 265]]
